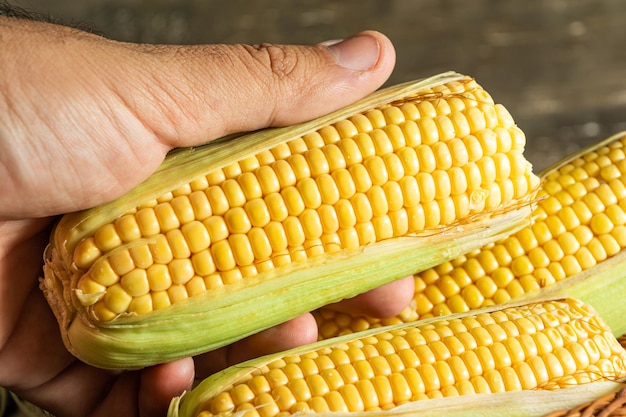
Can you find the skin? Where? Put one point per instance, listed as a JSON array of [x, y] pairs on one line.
[[84, 119]]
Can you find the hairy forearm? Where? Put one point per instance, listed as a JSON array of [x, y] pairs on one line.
[[15, 12], [9, 10]]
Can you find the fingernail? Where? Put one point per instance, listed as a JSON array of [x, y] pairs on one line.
[[358, 53]]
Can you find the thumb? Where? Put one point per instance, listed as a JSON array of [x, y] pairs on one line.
[[212, 90], [100, 105]]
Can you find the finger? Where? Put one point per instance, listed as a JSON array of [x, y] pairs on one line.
[[34, 353], [21, 244], [159, 384], [79, 390], [385, 301], [121, 399], [296, 332]]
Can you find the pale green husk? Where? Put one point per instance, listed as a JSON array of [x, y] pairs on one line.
[[218, 318]]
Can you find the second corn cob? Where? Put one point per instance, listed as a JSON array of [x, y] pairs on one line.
[[262, 228], [578, 226]]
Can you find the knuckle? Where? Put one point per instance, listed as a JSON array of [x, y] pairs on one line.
[[281, 61]]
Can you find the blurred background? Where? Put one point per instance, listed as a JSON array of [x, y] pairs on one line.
[[557, 65]]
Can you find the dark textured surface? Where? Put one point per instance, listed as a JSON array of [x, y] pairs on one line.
[[557, 65]]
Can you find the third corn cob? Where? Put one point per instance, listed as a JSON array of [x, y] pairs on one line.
[[579, 223], [545, 345], [287, 214]]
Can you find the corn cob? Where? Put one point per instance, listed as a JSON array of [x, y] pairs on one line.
[[578, 226], [545, 345], [229, 232]]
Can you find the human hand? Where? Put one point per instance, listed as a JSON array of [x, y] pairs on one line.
[[84, 119]]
